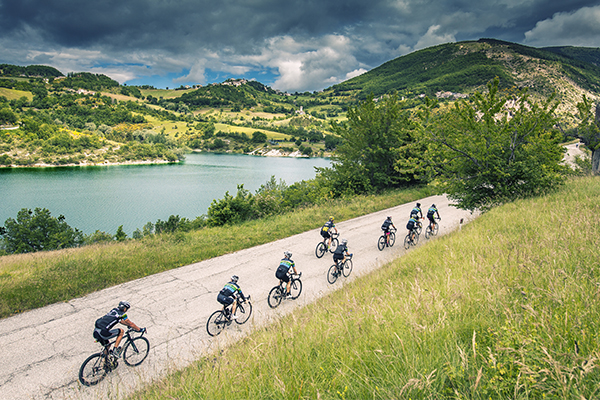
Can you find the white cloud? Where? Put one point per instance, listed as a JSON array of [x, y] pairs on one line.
[[577, 28], [432, 38]]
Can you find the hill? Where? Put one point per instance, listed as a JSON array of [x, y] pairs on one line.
[[464, 67]]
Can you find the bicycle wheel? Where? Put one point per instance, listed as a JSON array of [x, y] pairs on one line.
[[407, 242], [428, 232], [334, 243], [347, 268], [93, 370], [381, 243], [320, 250], [295, 289], [392, 239], [136, 351], [419, 228], [332, 274], [216, 323], [415, 240], [275, 296], [243, 312], [436, 228]]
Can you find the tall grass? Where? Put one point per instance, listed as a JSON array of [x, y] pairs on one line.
[[29, 281], [507, 308]]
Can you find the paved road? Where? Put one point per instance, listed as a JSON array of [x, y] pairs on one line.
[[43, 349]]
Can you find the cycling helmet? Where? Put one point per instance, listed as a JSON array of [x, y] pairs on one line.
[[287, 254], [389, 217], [344, 241], [433, 205], [234, 279], [418, 204], [124, 305], [331, 218]]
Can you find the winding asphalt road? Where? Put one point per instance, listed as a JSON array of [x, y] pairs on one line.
[[43, 349]]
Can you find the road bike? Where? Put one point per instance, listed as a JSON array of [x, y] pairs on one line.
[[279, 292], [429, 231], [221, 319], [387, 239], [411, 239], [338, 269], [322, 247], [98, 365]]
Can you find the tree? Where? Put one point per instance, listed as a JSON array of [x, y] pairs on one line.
[[231, 210], [37, 231], [494, 148], [588, 131], [379, 148], [120, 235]]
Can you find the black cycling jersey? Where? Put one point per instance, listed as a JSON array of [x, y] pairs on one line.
[[113, 317]]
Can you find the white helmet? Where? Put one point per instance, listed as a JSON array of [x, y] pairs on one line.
[[287, 254]]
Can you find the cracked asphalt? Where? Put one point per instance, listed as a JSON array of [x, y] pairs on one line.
[[43, 349]]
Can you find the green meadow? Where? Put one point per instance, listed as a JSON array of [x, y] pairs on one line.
[[506, 308]]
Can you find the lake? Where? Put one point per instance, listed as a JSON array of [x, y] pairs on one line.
[[105, 197]]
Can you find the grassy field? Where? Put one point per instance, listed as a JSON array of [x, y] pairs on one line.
[[34, 280], [507, 308], [12, 94]]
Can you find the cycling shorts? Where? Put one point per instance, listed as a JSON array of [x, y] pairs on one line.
[[282, 273], [103, 335], [431, 218], [225, 300], [325, 234], [337, 257]]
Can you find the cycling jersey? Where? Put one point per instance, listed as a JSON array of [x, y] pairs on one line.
[[431, 211], [412, 223], [328, 225], [386, 225], [415, 211], [231, 289], [113, 317]]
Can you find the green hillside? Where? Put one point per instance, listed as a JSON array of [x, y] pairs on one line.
[[463, 67]]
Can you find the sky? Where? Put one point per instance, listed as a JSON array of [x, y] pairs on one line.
[[293, 46]]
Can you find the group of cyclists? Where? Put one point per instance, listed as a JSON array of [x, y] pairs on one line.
[[104, 331]]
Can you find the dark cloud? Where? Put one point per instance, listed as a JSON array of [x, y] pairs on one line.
[[310, 44]]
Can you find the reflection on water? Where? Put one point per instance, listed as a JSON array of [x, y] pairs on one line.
[[102, 198]]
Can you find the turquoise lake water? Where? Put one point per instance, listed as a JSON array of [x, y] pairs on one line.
[[103, 198]]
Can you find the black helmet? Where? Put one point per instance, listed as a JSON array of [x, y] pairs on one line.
[[389, 217], [418, 204], [124, 305], [433, 205], [234, 279]]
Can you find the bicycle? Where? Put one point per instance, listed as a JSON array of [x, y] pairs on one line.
[[432, 231], [278, 293], [322, 247], [411, 239], [221, 319], [387, 239], [338, 269], [95, 368]]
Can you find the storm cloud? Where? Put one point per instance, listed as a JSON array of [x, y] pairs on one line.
[[292, 46]]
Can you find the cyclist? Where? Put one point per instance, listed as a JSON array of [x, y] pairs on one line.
[[326, 229], [228, 294], [385, 227], [104, 331], [412, 226], [431, 212], [284, 267], [340, 253], [417, 213]]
